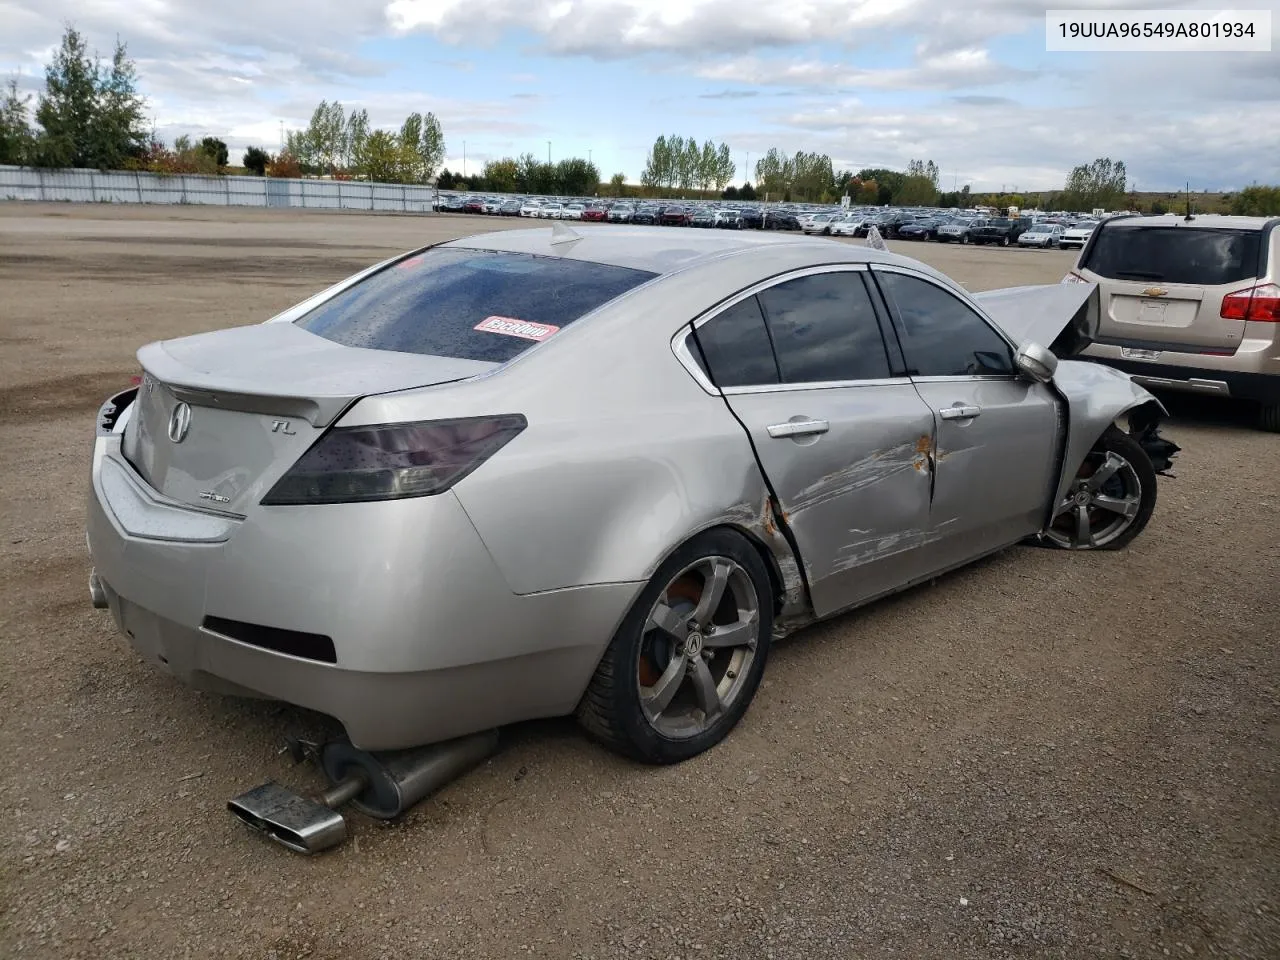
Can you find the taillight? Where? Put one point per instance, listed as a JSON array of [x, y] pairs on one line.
[[1074, 277], [1257, 303], [393, 461]]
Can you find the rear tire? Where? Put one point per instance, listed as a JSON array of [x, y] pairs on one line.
[[663, 694], [1110, 500], [1269, 417]]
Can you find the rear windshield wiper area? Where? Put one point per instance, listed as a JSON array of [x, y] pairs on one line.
[[1138, 275]]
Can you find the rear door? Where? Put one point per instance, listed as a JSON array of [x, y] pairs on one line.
[[1162, 285], [844, 444], [996, 433]]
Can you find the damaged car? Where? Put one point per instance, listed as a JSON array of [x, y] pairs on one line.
[[541, 472]]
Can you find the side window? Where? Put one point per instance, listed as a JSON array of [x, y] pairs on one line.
[[824, 329], [735, 345], [941, 335]]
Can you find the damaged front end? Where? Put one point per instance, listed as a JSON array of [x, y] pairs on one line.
[[1144, 427]]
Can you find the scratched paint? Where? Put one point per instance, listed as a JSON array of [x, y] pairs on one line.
[[878, 548], [874, 468]]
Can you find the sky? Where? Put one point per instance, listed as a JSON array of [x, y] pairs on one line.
[[872, 83]]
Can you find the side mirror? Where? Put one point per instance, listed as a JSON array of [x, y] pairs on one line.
[[1036, 362]]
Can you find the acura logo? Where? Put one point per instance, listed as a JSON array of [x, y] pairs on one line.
[[179, 422]]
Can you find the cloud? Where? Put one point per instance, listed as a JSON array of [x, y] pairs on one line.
[[980, 100], [968, 86], [1030, 148], [956, 69]]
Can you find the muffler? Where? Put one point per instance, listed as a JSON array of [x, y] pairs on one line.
[[382, 785]]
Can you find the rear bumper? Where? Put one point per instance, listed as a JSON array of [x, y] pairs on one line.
[[430, 642], [1198, 373]]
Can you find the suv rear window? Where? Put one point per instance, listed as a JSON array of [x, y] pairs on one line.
[[1204, 256], [431, 303]]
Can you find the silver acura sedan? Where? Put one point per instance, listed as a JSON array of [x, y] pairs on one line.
[[595, 472]]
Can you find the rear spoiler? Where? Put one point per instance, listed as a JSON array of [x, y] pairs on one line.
[[1060, 316]]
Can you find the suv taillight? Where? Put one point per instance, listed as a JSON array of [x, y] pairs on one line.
[[1257, 303], [393, 461]]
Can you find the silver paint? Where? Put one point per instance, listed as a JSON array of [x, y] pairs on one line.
[[467, 610]]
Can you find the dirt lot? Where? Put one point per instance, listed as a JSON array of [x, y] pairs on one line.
[[1043, 755]]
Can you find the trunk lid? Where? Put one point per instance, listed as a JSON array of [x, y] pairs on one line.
[[220, 416]]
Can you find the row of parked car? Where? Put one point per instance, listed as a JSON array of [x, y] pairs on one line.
[[942, 226]]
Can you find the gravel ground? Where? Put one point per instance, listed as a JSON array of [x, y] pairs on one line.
[[1043, 755]]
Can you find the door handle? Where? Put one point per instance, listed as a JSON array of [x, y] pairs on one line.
[[798, 428], [959, 412]]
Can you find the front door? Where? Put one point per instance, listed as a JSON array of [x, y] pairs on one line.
[[844, 445], [996, 434]]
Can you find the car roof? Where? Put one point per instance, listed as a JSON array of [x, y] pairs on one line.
[[1207, 220], [655, 249]]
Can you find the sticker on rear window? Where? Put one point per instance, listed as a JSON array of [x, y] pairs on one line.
[[516, 328]]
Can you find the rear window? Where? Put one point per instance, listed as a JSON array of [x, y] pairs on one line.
[[433, 303], [1175, 254]]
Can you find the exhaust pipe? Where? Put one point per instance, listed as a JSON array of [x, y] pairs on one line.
[[97, 592], [382, 786]]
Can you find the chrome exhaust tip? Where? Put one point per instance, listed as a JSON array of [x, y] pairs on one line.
[[97, 592], [383, 786], [299, 823]]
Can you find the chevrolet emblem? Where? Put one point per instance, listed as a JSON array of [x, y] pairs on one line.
[[1154, 292]]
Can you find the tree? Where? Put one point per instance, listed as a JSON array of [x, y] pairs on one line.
[[1098, 184], [730, 193], [16, 138], [707, 165], [119, 130], [618, 184], [323, 143], [384, 158], [90, 116], [284, 165], [724, 166], [411, 140], [431, 146], [577, 177], [773, 172], [691, 165], [446, 179], [747, 192], [887, 183], [256, 160], [1256, 201], [216, 150], [356, 133], [502, 175]]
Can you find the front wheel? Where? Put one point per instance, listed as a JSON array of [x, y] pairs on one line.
[[964, 238], [687, 659], [1110, 500]]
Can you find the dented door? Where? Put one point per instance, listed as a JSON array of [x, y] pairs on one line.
[[995, 470], [853, 481]]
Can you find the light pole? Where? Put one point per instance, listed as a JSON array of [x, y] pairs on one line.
[[464, 159], [548, 153]]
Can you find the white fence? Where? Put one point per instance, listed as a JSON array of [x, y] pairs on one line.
[[123, 186]]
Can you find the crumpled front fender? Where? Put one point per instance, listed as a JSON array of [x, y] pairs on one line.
[[1096, 397]]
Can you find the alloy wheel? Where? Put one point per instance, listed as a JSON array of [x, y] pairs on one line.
[[698, 645], [1102, 503]]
